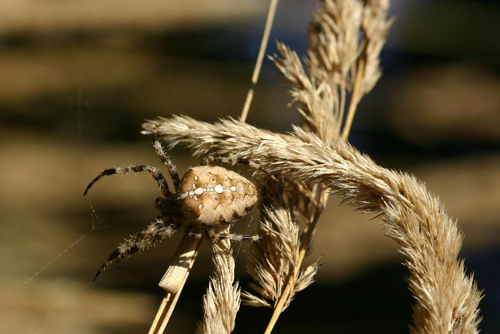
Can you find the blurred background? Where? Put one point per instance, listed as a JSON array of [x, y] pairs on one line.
[[77, 79]]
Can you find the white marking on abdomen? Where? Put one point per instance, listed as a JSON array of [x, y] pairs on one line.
[[199, 191], [219, 189]]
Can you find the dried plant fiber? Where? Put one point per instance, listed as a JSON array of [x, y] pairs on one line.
[[446, 297]]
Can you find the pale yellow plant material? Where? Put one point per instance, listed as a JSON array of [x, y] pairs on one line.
[[222, 301], [174, 280], [335, 65], [317, 104], [334, 41], [375, 28], [446, 297], [315, 161], [181, 264], [260, 57], [272, 263]]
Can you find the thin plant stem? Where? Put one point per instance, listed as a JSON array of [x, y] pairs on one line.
[[355, 97], [323, 196], [260, 59], [164, 312], [342, 105]]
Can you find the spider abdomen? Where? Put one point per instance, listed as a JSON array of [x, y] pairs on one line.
[[212, 195]]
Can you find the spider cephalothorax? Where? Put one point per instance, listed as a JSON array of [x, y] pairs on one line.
[[208, 198]]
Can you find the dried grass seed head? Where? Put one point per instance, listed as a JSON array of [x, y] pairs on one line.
[[375, 28], [334, 40], [444, 293], [272, 263]]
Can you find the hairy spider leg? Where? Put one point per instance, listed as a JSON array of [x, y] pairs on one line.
[[155, 232], [155, 173], [211, 235], [172, 169], [217, 158]]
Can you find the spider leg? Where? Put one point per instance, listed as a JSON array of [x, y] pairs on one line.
[[211, 235], [155, 173], [237, 237], [217, 158], [156, 231], [172, 169]]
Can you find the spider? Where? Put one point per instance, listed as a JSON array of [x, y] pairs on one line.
[[209, 198]]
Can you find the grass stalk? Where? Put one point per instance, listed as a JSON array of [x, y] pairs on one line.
[[355, 97], [174, 280], [291, 280], [260, 58]]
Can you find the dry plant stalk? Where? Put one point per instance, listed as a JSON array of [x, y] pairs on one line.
[[174, 279], [260, 57], [446, 297]]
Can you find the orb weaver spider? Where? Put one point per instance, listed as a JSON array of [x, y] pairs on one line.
[[208, 198]]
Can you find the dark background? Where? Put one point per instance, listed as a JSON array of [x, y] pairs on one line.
[[78, 78]]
